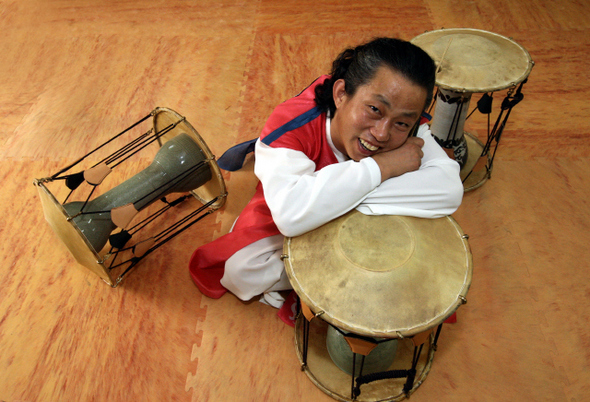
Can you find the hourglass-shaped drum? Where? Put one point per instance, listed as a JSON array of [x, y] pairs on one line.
[[106, 233], [472, 61], [374, 292]]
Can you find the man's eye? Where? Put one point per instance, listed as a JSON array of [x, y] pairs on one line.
[[374, 109]]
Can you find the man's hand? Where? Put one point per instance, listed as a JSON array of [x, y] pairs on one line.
[[406, 158]]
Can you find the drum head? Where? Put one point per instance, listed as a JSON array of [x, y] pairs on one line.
[[475, 172], [383, 276], [70, 234], [163, 118], [475, 60]]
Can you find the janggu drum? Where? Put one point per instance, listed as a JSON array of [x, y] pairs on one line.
[[110, 233], [469, 62], [374, 292]]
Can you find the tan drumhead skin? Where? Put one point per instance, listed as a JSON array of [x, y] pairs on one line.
[[475, 172], [384, 276], [163, 117], [70, 234], [475, 60]]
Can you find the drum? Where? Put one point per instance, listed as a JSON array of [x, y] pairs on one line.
[[381, 285], [183, 167], [471, 61]]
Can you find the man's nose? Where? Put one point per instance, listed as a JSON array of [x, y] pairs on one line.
[[381, 131]]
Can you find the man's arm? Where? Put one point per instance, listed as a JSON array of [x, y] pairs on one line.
[[431, 191]]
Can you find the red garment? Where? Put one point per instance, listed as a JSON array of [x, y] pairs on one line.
[[295, 124]]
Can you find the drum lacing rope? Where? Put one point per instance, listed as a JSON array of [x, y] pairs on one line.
[[432, 103], [392, 374], [410, 374], [161, 189], [55, 176], [355, 391], [507, 105], [305, 333], [456, 118], [164, 236], [74, 180], [119, 239], [496, 133]]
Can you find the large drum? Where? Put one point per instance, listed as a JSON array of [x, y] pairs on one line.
[[374, 292], [472, 61], [111, 232]]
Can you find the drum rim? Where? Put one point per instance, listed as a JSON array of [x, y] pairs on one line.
[[513, 84], [99, 268], [394, 333]]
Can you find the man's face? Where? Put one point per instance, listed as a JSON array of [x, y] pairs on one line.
[[378, 117]]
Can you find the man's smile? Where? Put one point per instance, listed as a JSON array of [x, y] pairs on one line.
[[367, 146]]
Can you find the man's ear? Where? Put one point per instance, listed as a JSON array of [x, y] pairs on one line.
[[339, 92]]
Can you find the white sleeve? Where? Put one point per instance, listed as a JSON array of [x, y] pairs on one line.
[[432, 191], [302, 199]]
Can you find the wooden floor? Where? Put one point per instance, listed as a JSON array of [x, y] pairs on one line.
[[74, 73]]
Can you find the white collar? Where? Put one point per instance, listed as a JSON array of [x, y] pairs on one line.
[[339, 155]]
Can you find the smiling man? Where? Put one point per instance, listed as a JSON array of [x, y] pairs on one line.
[[378, 119], [345, 142]]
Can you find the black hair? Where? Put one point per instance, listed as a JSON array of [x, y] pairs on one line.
[[357, 66]]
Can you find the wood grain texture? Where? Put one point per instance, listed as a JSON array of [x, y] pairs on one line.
[[73, 74]]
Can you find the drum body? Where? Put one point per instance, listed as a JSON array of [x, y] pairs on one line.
[[183, 163], [379, 278], [472, 61]]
